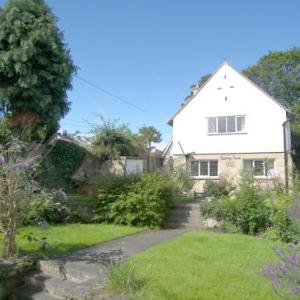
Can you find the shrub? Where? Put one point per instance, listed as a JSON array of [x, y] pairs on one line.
[[47, 207], [254, 210], [183, 180], [218, 188], [142, 201]]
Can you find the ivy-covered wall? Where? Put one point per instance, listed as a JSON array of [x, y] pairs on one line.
[[60, 162]]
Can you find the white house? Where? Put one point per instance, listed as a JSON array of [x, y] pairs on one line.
[[230, 124]]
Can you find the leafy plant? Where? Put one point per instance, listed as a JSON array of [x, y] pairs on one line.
[[142, 201], [111, 140], [183, 180], [218, 188], [253, 210]]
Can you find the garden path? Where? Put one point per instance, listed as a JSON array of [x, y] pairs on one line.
[[83, 273]]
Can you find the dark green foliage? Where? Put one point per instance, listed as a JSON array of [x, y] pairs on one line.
[[59, 165], [110, 190], [6, 134], [149, 135], [112, 140], [35, 67], [40, 211], [142, 201], [218, 188], [253, 210], [278, 73]]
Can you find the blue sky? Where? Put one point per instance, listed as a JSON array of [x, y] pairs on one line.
[[150, 52]]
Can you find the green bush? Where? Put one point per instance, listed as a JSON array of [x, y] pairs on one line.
[[218, 188], [140, 201], [59, 165], [183, 180], [253, 210], [47, 207]]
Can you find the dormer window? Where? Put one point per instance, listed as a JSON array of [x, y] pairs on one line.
[[226, 125]]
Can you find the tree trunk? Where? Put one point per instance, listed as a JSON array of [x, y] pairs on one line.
[[9, 239]]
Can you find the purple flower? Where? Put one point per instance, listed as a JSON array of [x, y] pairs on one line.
[[2, 160], [17, 166], [1, 147], [34, 184], [62, 194]]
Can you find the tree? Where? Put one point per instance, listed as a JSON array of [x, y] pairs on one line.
[[111, 140], [35, 68], [278, 73], [149, 135], [15, 191]]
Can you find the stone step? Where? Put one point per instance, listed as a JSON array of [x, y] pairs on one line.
[[184, 212], [191, 206], [175, 225], [29, 293], [183, 220], [78, 271], [59, 288]]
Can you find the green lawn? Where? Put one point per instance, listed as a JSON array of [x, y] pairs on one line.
[[204, 265], [70, 237]]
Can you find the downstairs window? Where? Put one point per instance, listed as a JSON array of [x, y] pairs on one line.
[[259, 167], [204, 168]]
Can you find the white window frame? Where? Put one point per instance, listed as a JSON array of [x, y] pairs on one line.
[[265, 176], [208, 166], [226, 132]]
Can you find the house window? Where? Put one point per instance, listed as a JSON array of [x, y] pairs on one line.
[[259, 167], [205, 168], [229, 124]]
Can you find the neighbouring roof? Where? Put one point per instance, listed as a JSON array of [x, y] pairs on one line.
[[170, 122]]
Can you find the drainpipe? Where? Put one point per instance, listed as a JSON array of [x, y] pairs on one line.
[[286, 164]]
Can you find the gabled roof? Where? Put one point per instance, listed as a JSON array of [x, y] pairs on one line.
[[170, 122]]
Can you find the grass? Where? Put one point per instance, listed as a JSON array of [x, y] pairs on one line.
[[70, 237], [200, 265]]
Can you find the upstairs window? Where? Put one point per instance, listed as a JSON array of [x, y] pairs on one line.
[[259, 167], [204, 168], [229, 124]]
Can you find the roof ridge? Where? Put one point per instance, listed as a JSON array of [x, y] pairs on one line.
[[225, 63]]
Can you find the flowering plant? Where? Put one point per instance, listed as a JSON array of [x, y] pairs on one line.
[[285, 274]]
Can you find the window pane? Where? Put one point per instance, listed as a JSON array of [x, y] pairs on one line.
[[203, 168], [213, 168], [230, 124], [240, 123], [212, 125], [221, 124], [248, 165], [269, 166], [259, 167], [194, 168]]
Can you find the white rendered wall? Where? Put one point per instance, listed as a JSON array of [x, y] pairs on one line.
[[264, 118]]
